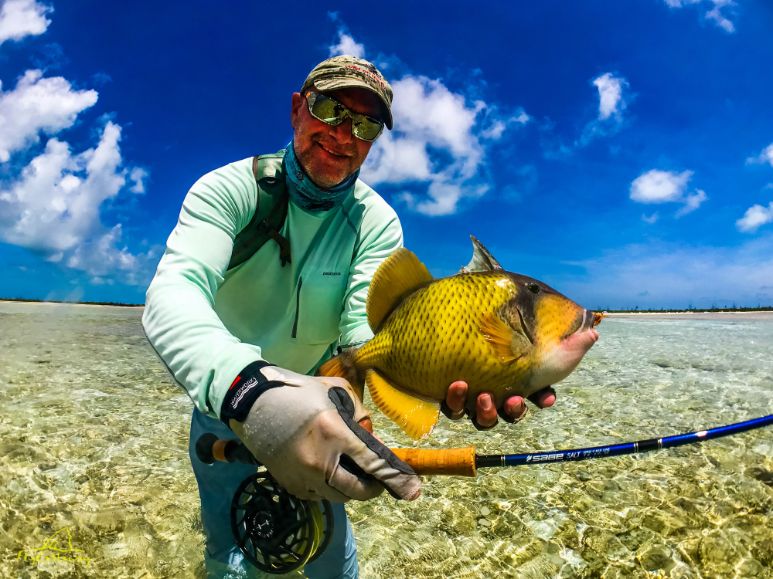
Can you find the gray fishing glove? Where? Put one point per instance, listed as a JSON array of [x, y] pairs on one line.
[[305, 431]]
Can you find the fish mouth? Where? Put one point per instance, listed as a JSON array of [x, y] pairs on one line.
[[586, 323], [559, 361], [591, 319]]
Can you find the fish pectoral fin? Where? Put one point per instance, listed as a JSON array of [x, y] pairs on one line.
[[501, 337], [416, 416], [397, 277]]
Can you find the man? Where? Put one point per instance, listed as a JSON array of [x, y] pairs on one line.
[[244, 340]]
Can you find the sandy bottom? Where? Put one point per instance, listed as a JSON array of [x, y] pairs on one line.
[[93, 461]]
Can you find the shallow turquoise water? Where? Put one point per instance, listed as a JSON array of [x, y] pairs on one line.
[[93, 457]]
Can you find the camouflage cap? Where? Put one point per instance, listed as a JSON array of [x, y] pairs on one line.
[[350, 72]]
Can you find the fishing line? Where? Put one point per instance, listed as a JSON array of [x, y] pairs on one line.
[[277, 532]]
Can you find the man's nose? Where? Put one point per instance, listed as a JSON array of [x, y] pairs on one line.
[[343, 132]]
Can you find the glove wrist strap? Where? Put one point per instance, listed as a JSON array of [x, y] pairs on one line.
[[245, 390]]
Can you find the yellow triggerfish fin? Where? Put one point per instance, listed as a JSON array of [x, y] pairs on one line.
[[398, 276], [499, 335], [416, 416], [333, 367], [343, 367]]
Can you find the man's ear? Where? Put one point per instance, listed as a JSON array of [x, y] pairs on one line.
[[295, 109]]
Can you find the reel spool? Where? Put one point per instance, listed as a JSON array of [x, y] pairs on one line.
[[277, 532]]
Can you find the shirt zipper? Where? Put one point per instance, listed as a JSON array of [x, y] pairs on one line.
[[297, 308]]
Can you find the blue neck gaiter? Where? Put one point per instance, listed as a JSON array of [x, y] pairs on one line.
[[305, 193]]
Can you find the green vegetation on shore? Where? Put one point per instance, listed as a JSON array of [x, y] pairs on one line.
[[712, 310]]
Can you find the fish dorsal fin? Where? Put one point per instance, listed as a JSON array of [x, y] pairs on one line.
[[416, 416], [481, 260], [398, 276]]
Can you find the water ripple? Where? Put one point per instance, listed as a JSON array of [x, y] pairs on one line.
[[93, 439]]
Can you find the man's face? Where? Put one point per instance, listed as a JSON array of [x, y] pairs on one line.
[[330, 154]]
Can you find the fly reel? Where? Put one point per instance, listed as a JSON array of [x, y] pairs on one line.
[[277, 532]]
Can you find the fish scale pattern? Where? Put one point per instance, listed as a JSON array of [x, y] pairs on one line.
[[434, 338]]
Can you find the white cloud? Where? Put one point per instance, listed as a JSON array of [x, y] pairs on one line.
[[692, 202], [104, 258], [443, 196], [138, 176], [37, 105], [611, 100], [657, 186], [438, 144], [755, 217], [430, 122], [666, 275], [397, 160], [53, 206], [766, 156], [681, 3], [717, 14], [500, 124], [20, 18], [437, 148], [347, 45]]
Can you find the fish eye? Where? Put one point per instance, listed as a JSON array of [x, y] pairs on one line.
[[533, 288]]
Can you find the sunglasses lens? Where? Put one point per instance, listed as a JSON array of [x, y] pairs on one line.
[[333, 113], [366, 129], [325, 109]]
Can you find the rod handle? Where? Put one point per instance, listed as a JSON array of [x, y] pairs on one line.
[[444, 461], [435, 461], [210, 448]]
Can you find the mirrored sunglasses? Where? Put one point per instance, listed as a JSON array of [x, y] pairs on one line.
[[328, 110]]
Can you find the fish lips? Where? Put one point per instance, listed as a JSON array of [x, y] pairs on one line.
[[587, 321]]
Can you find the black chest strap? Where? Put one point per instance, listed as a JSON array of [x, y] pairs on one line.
[[270, 212]]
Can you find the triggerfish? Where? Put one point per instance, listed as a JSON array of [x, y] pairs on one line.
[[500, 332]]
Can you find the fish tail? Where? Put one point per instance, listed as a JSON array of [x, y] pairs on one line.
[[343, 366]]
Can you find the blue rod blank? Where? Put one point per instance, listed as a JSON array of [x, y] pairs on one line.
[[621, 449]]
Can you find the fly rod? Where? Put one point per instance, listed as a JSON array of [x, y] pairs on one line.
[[279, 533], [465, 462]]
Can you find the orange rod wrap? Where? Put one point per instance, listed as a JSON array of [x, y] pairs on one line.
[[448, 461]]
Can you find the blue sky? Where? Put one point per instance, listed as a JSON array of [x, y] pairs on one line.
[[619, 151]]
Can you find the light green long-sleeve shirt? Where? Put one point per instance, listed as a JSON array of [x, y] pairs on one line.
[[207, 324]]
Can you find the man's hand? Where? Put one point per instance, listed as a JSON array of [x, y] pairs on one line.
[[513, 409], [305, 431]]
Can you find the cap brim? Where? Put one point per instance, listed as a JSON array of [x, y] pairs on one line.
[[338, 84]]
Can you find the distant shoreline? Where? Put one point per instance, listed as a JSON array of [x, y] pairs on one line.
[[707, 313], [761, 314], [63, 302]]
